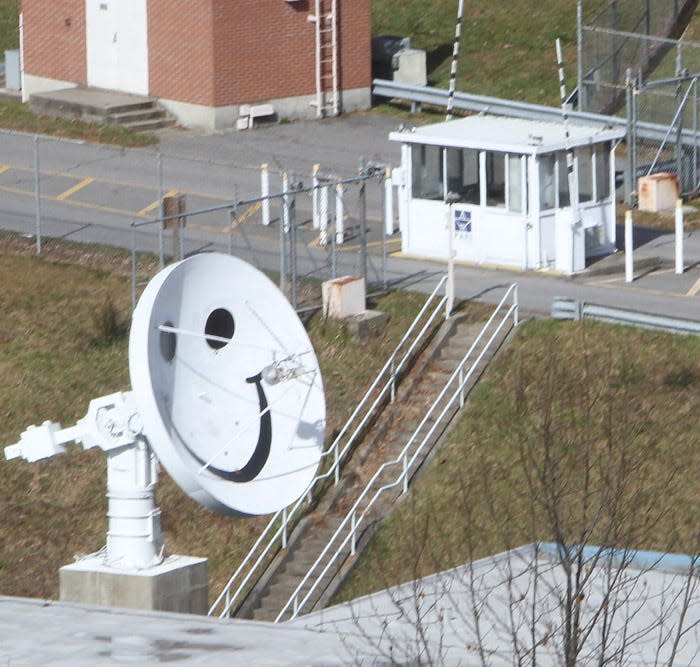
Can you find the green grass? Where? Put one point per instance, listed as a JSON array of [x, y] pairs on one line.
[[628, 398], [55, 357], [17, 116], [9, 25], [507, 48]]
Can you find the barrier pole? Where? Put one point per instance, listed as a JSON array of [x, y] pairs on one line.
[[679, 237], [629, 248]]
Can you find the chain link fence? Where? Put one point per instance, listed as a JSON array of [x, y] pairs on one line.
[[672, 104], [300, 229], [299, 246], [637, 34]]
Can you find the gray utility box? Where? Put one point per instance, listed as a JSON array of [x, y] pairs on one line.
[[13, 70], [393, 59]]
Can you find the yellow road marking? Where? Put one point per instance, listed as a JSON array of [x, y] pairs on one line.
[[155, 204], [240, 219], [694, 289], [82, 204], [78, 186], [4, 168]]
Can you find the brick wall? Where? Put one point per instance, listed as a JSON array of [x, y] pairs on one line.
[[180, 50], [218, 52], [210, 52], [54, 39]]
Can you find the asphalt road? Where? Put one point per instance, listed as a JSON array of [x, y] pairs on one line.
[[95, 193]]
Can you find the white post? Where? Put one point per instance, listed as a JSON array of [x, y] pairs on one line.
[[265, 193], [285, 202], [315, 197], [323, 216], [679, 236], [388, 203], [629, 248], [450, 285], [339, 215]]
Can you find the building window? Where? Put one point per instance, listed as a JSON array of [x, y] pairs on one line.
[[426, 165], [496, 179], [548, 197], [504, 181], [602, 170], [463, 174], [584, 155], [593, 167]]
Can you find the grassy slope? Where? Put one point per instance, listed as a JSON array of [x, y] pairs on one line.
[[51, 366], [480, 477], [507, 48]]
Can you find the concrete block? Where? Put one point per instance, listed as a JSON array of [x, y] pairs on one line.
[[179, 583], [366, 325], [658, 192], [343, 297]]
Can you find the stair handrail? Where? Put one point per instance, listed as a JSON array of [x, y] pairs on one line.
[[353, 520], [287, 517]]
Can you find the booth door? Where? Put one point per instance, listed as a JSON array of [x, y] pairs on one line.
[[117, 45]]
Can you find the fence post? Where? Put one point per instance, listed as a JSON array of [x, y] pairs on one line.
[[37, 195], [579, 55], [265, 193], [159, 177], [283, 248], [314, 197], [630, 185], [293, 250], [363, 230]]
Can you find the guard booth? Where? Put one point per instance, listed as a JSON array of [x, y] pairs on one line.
[[505, 200]]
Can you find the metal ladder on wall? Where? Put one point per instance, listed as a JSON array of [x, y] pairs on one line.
[[325, 20]]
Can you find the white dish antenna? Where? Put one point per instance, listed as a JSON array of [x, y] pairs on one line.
[[226, 391], [228, 385]]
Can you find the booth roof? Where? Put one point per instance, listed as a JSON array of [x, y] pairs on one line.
[[510, 135]]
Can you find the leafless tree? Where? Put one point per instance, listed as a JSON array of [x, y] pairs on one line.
[[585, 483]]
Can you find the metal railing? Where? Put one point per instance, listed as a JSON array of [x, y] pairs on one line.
[[572, 309], [278, 529], [514, 109], [406, 460]]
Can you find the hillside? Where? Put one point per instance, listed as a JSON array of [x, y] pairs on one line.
[[507, 48]]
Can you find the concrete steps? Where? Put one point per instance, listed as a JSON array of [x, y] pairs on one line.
[[95, 105], [382, 444]]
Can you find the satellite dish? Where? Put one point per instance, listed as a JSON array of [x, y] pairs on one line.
[[226, 391], [227, 385]]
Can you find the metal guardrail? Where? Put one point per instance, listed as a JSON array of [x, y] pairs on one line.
[[573, 309], [354, 519], [286, 519], [514, 109]]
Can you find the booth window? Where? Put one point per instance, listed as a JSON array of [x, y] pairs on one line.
[[426, 164], [585, 173], [463, 174], [602, 170], [547, 182], [562, 180], [593, 166], [504, 181]]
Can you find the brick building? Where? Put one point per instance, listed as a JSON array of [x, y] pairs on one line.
[[203, 59]]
